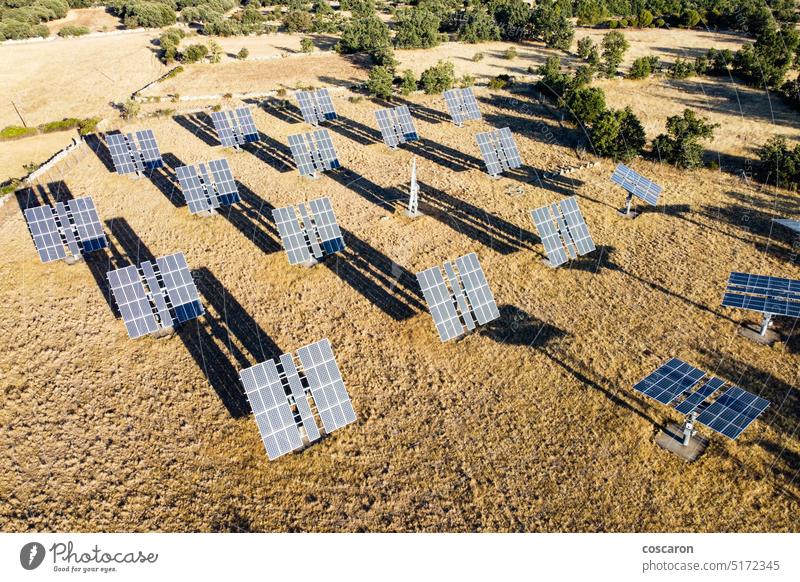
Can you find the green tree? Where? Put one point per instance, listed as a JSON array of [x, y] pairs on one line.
[[408, 84], [194, 53], [512, 16], [642, 67], [614, 47], [479, 27], [550, 24], [298, 21], [680, 145], [307, 45], [586, 104], [618, 134], [585, 45], [780, 164], [417, 28], [379, 83], [365, 34], [214, 51], [438, 78]]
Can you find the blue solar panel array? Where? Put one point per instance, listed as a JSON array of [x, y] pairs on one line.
[[729, 414], [669, 381], [764, 294], [636, 184]]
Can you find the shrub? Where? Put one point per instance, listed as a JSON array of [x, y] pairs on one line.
[[16, 132], [614, 47], [680, 145], [681, 69], [137, 13], [477, 57], [379, 83], [618, 134], [88, 125], [73, 31], [501, 82], [645, 19], [691, 18], [417, 28], [298, 21], [307, 45], [438, 78], [408, 83], [780, 164], [369, 35], [243, 54], [130, 109], [585, 45], [63, 125], [478, 27], [510, 53], [194, 53], [466, 81], [214, 52], [586, 104], [643, 67]]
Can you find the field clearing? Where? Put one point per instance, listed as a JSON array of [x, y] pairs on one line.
[[95, 19], [529, 425]]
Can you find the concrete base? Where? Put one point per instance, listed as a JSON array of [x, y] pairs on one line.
[[162, 333], [671, 440], [206, 213], [752, 332], [625, 214], [310, 263], [71, 259], [417, 215]]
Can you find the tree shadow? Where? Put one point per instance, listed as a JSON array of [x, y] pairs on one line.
[[165, 179], [252, 216], [785, 468], [478, 224], [386, 284]]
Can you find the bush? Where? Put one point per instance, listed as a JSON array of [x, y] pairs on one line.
[[136, 13], [63, 125], [88, 125], [307, 45], [16, 132], [780, 164], [618, 134], [477, 57], [510, 53], [73, 31], [379, 83], [417, 28], [466, 81], [479, 27], [586, 104], [438, 78], [643, 67], [408, 83], [645, 19], [614, 47], [369, 35], [243, 54], [691, 18], [680, 145], [194, 53], [501, 82], [681, 69], [298, 21], [585, 46], [130, 109]]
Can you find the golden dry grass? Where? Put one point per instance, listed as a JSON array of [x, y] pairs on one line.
[[529, 425]]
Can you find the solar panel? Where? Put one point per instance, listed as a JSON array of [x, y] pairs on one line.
[[699, 396], [151, 157], [326, 384], [499, 150], [74, 224], [124, 154], [235, 127], [170, 295], [788, 223], [733, 412], [313, 152], [462, 105], [669, 381], [204, 190], [274, 388], [396, 125], [316, 106], [563, 231], [470, 299], [636, 184], [318, 235], [762, 293]]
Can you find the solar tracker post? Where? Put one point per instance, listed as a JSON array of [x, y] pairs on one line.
[[413, 198], [688, 428], [769, 296]]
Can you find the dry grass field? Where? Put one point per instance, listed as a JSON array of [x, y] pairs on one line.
[[530, 424]]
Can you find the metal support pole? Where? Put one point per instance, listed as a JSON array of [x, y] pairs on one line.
[[765, 323], [688, 428], [628, 204]]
